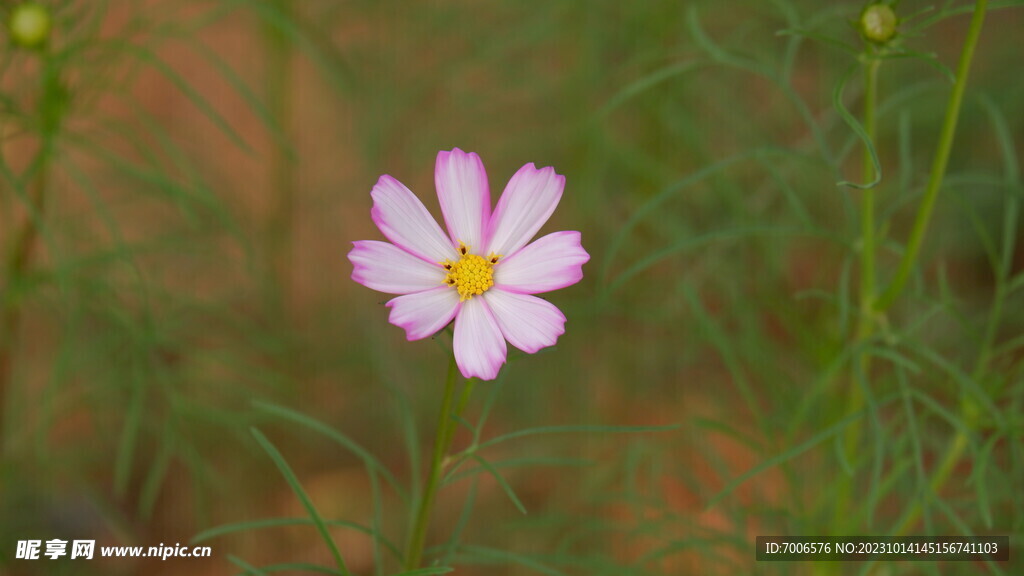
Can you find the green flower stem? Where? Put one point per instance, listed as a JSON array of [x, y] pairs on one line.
[[969, 410], [446, 426], [867, 215], [866, 314], [939, 163], [19, 259], [17, 264]]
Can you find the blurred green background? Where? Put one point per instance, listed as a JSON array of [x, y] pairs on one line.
[[181, 181]]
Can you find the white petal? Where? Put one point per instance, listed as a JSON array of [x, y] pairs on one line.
[[479, 348], [464, 195], [526, 204], [422, 314], [387, 268], [404, 220], [527, 322], [552, 262]]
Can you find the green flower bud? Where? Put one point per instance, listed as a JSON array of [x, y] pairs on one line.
[[878, 23], [29, 25]]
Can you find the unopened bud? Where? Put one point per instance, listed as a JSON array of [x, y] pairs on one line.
[[878, 23], [29, 25]]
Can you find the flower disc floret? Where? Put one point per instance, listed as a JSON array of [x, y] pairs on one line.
[[472, 275]]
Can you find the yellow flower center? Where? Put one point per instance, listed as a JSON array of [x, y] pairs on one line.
[[472, 275]]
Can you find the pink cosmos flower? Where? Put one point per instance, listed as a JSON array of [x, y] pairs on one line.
[[484, 273]]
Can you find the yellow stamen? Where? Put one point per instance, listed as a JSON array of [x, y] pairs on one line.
[[472, 275]]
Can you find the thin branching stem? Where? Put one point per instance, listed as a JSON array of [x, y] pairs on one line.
[[969, 410], [939, 163], [15, 268], [19, 260]]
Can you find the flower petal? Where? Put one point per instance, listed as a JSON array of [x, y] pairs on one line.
[[525, 205], [527, 322], [422, 314], [464, 195], [552, 262], [387, 268], [479, 348], [404, 220]]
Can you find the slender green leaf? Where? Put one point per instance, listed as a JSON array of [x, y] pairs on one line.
[[482, 555], [858, 129], [235, 528], [129, 434], [647, 82], [501, 482], [427, 571], [575, 429], [189, 91], [300, 493], [249, 568], [791, 453], [526, 462], [467, 509], [372, 463]]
